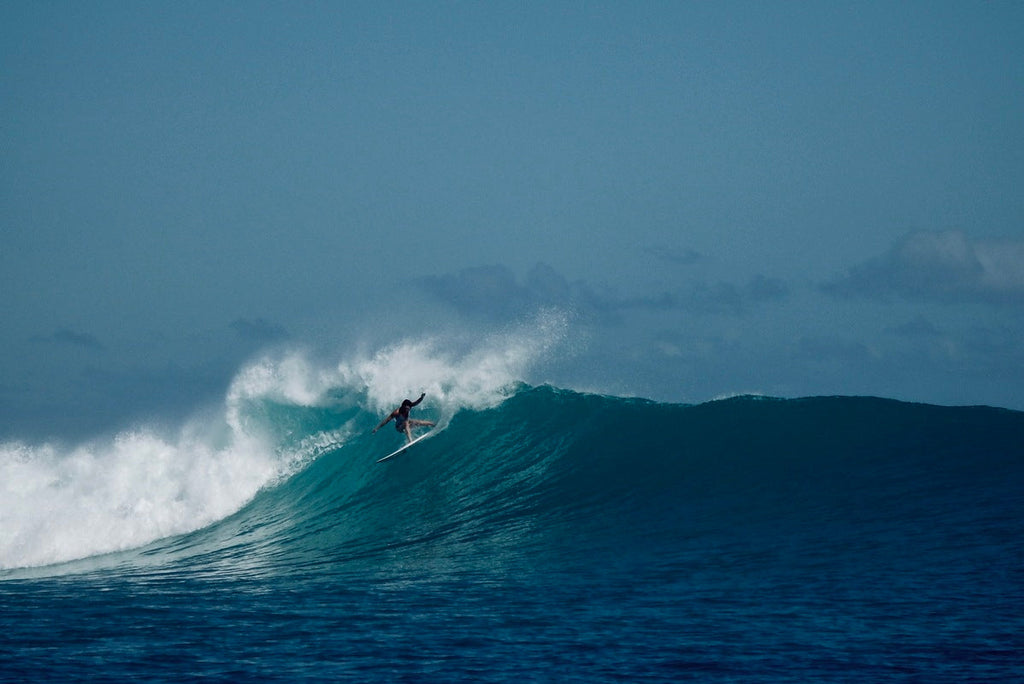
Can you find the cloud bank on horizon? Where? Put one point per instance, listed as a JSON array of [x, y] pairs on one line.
[[937, 266], [494, 292], [945, 266]]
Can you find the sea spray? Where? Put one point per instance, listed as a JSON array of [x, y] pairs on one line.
[[61, 504], [455, 374]]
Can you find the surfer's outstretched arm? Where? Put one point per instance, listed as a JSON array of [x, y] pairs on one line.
[[386, 420], [416, 403]]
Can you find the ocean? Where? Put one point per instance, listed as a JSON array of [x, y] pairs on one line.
[[539, 534]]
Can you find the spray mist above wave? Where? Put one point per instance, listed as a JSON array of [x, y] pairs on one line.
[[59, 504], [475, 373], [477, 376]]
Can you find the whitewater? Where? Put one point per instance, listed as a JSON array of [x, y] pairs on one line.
[[541, 533]]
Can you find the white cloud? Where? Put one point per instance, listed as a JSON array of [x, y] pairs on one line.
[[940, 266]]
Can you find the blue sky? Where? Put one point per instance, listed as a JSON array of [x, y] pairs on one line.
[[787, 198]]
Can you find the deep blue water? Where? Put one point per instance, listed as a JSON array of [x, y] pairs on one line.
[[552, 536]]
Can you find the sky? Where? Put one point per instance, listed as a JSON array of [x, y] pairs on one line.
[[790, 199]]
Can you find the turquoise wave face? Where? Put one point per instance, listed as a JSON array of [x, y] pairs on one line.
[[559, 479], [549, 475]]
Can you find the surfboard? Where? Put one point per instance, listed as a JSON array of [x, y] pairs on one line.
[[405, 446]]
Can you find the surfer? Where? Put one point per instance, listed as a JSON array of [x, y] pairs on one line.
[[403, 423]]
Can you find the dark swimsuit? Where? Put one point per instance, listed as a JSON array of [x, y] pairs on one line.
[[401, 418]]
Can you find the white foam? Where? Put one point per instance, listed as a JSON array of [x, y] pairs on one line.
[[64, 504]]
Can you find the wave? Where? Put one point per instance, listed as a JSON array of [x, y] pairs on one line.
[[514, 474], [64, 502]]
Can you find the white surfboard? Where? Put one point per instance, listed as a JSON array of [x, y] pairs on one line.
[[405, 446]]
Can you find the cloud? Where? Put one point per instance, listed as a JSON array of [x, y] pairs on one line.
[[494, 292], [489, 291], [258, 330], [721, 298], [939, 266], [72, 338], [729, 298]]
